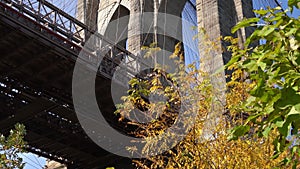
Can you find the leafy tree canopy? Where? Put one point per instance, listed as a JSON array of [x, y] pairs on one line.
[[273, 68], [10, 147]]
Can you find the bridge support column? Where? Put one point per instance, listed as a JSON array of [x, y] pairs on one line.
[[135, 40], [87, 14], [216, 18]]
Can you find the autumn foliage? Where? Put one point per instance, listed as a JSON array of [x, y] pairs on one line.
[[259, 125]]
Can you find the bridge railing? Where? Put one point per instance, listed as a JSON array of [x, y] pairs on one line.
[[73, 31], [51, 17]]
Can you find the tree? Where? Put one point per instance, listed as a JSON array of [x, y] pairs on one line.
[[195, 87], [10, 147], [273, 67], [262, 112]]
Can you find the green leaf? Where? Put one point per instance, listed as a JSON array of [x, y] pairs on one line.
[[266, 31], [285, 129], [294, 44], [297, 107], [244, 23], [267, 131], [262, 65], [279, 123], [261, 11], [294, 111], [238, 131], [289, 97]]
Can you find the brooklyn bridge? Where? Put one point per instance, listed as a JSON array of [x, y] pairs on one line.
[[40, 42]]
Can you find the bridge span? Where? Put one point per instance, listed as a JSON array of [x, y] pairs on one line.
[[39, 45]]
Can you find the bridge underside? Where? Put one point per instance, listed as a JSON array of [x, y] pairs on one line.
[[35, 89], [36, 66]]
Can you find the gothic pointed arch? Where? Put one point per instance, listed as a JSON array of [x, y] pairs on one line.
[[110, 12]]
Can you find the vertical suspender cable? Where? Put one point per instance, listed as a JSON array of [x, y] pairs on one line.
[[84, 17]]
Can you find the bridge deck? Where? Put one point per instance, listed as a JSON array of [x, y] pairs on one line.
[[36, 66]]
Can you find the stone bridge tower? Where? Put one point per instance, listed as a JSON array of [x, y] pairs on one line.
[[217, 17]]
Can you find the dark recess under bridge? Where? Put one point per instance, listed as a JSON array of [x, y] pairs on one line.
[[39, 45]]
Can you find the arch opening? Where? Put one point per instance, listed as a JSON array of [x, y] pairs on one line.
[[185, 9], [190, 33], [118, 32]]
